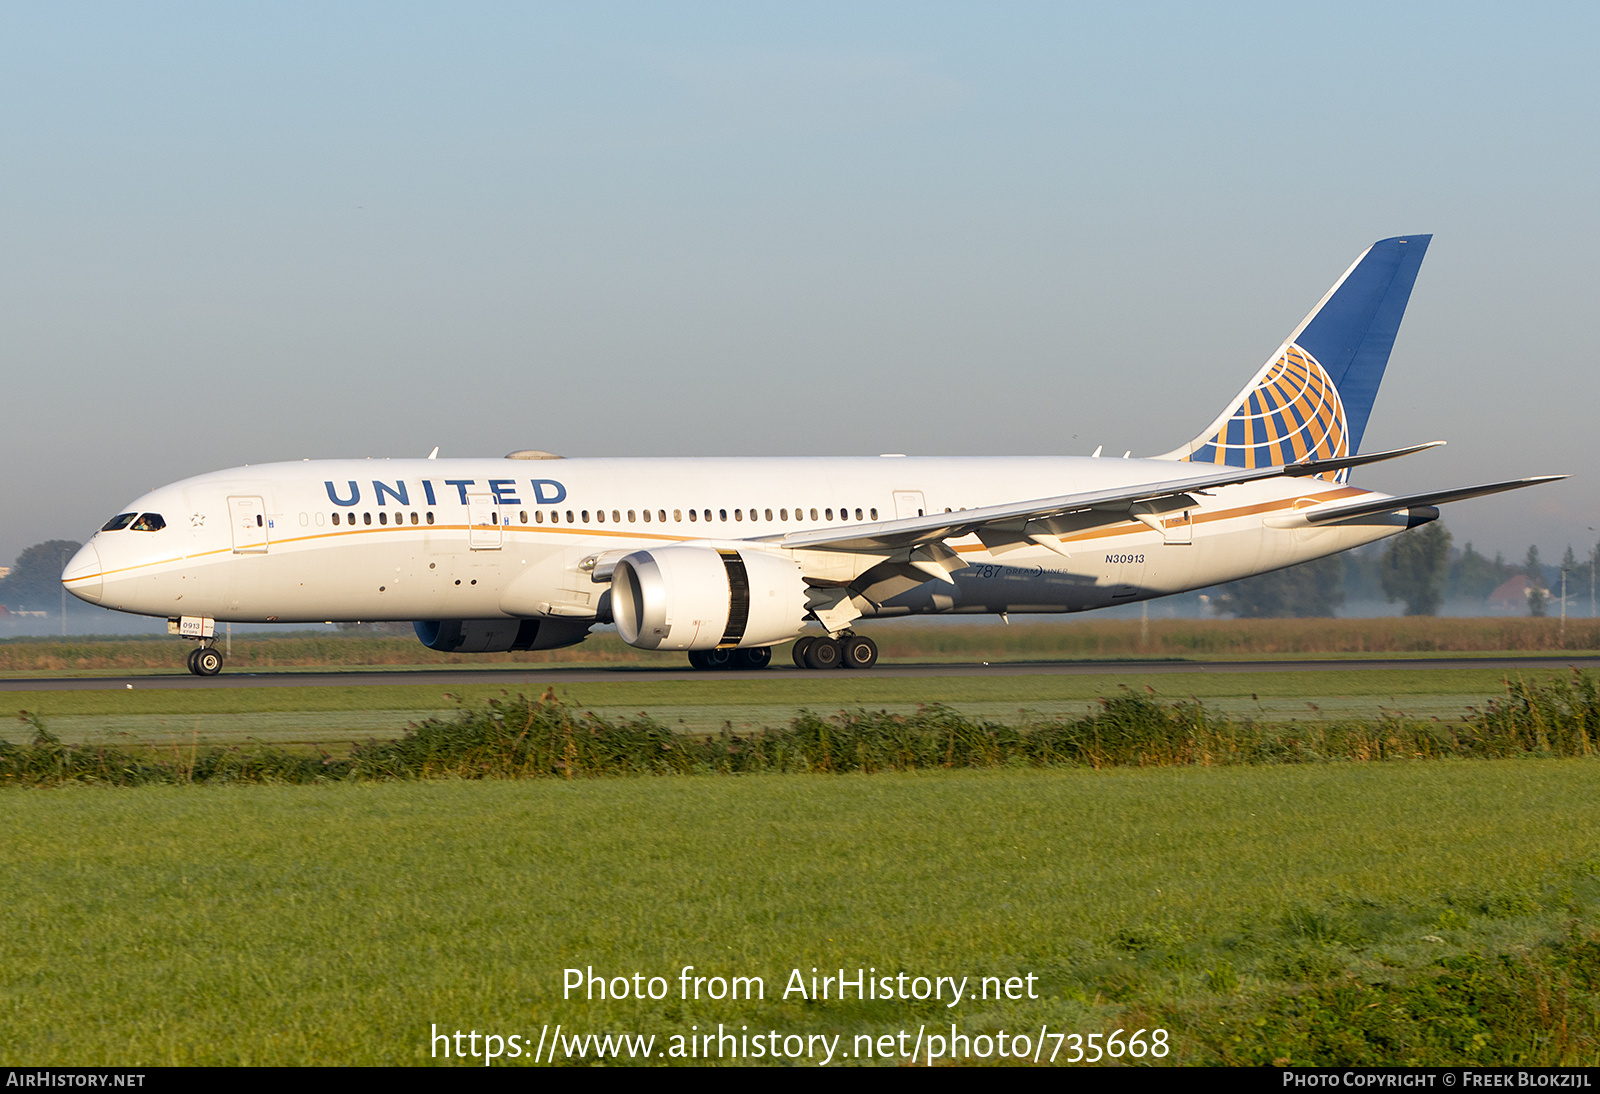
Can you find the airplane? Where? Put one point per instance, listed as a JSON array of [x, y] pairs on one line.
[[725, 558]]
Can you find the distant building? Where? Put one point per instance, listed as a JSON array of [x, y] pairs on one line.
[[1512, 597]]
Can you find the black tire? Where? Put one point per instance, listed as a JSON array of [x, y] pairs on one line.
[[860, 652], [757, 657], [697, 659], [719, 659], [801, 645], [824, 654], [207, 662], [190, 660]]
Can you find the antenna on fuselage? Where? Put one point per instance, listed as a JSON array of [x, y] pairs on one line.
[[434, 454], [1095, 455]]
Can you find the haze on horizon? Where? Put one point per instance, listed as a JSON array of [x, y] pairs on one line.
[[260, 232]]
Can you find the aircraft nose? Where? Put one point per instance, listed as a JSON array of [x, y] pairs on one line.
[[82, 576]]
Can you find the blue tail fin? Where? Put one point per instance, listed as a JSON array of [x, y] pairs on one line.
[[1314, 395]]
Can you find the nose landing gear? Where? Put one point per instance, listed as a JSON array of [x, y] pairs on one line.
[[205, 661]]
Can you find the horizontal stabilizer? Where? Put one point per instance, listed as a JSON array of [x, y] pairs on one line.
[[1414, 501]]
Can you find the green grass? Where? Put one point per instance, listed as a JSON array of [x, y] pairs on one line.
[[340, 714], [334, 924], [1080, 638]]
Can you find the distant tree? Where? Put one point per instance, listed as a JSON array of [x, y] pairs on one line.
[[34, 583], [1473, 577], [1414, 568], [1309, 589], [1362, 580], [1533, 569]]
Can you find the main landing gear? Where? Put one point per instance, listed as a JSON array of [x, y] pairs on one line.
[[852, 651], [757, 657], [205, 661]]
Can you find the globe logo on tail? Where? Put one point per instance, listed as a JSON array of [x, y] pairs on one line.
[[1293, 412]]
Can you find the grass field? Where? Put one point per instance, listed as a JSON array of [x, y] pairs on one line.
[[1053, 639], [337, 715], [1333, 913]]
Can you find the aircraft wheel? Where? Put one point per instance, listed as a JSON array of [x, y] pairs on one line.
[[823, 654], [798, 652], [192, 655], [712, 659], [207, 662], [757, 657], [860, 652]]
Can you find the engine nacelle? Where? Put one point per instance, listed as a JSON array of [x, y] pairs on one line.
[[702, 598], [500, 635]]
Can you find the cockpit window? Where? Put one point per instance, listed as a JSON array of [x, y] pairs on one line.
[[118, 522], [148, 522]]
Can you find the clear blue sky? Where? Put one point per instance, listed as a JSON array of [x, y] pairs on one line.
[[241, 233]]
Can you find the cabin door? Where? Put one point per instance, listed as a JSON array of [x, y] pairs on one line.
[[908, 503], [248, 517], [483, 522]]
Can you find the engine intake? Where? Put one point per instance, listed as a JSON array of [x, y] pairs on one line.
[[702, 598], [500, 635]]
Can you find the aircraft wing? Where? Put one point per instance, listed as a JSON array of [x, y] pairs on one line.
[[1412, 501], [1043, 520]]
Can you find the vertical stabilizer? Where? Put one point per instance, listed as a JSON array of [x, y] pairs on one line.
[[1314, 395]]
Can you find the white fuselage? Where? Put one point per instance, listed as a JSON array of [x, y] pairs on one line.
[[372, 540]]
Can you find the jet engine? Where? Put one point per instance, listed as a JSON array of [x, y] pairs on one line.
[[701, 598], [500, 635]]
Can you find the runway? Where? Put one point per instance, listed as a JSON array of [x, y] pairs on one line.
[[536, 674]]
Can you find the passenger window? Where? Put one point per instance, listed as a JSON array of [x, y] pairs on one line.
[[783, 514], [828, 513], [538, 516], [858, 514], [616, 517], [873, 513], [646, 515], [663, 513], [413, 518], [523, 516], [305, 519], [724, 513], [383, 517], [569, 517], [319, 520], [430, 518], [336, 518], [585, 514], [813, 514], [599, 516], [692, 515], [366, 518], [118, 522], [738, 514], [152, 522], [630, 516]]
